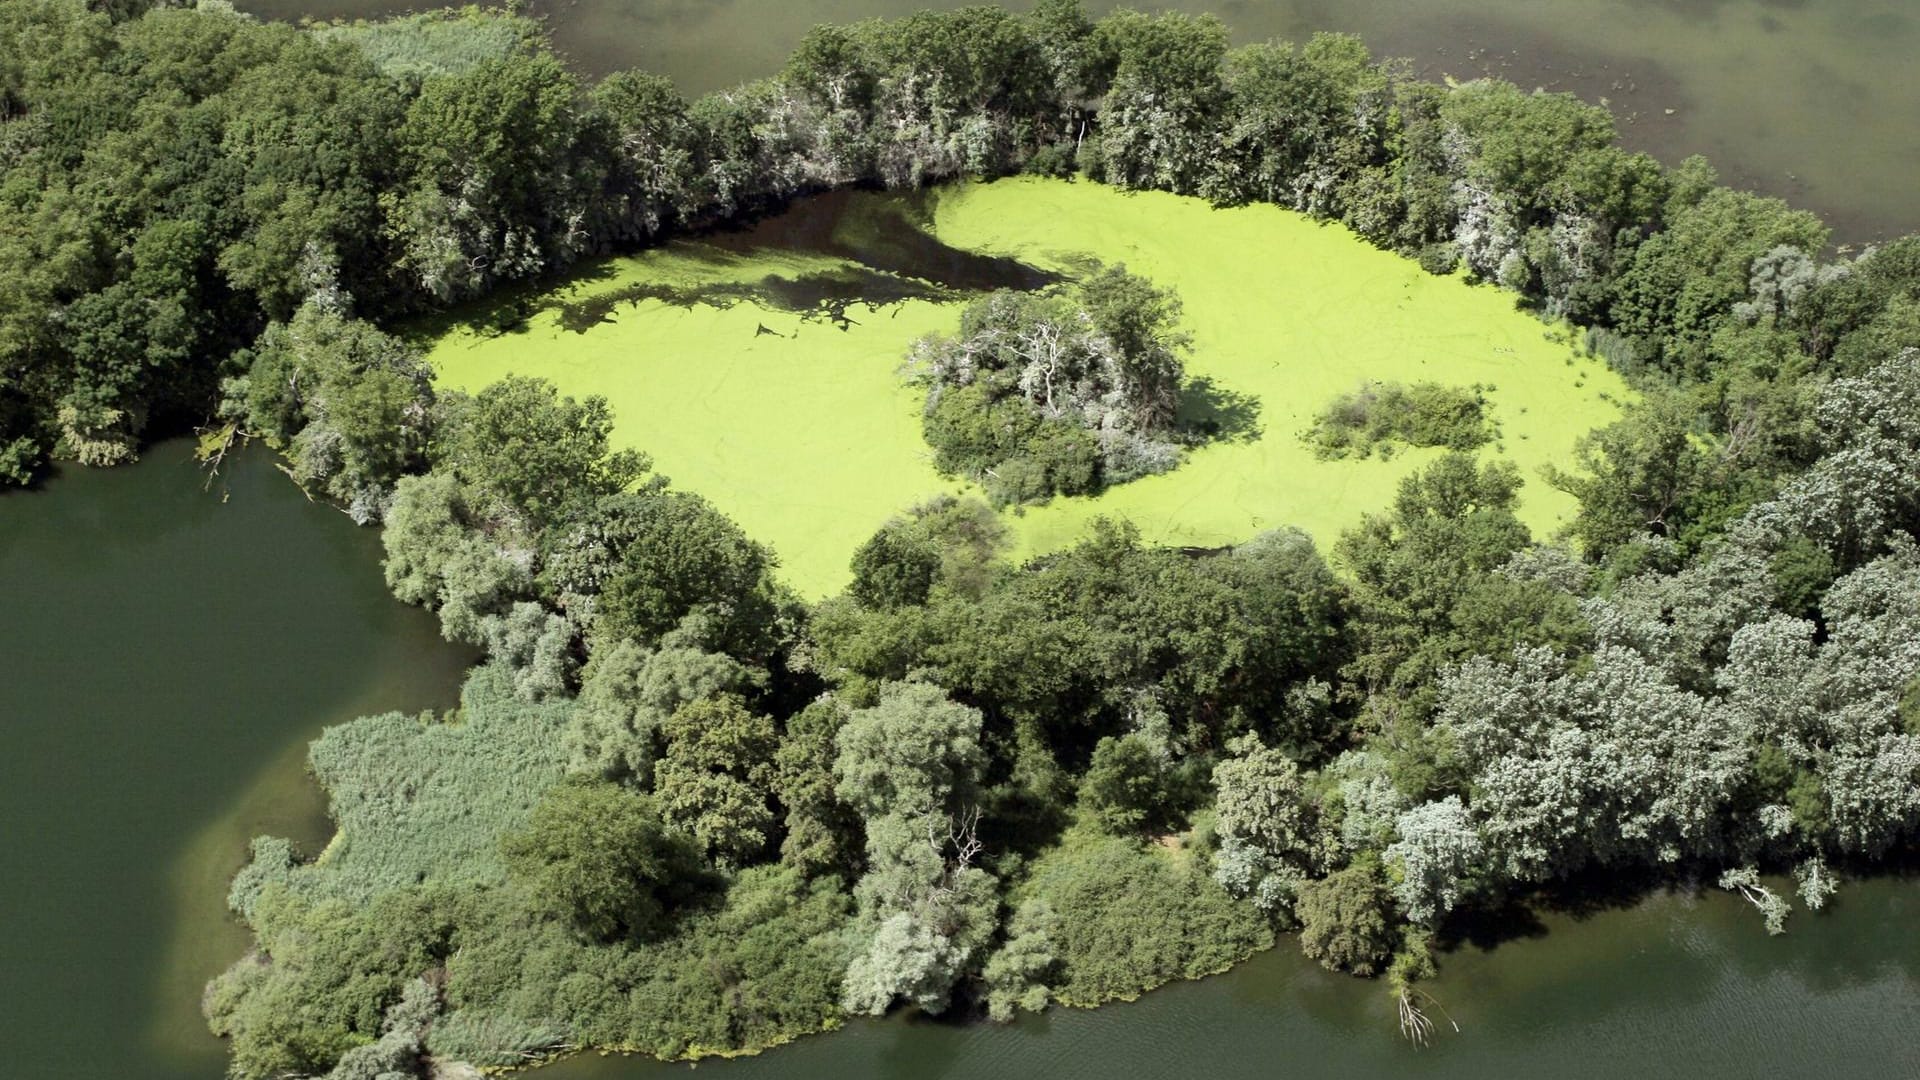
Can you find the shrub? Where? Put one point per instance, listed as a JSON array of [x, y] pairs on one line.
[[425, 799], [1424, 414], [1131, 918]]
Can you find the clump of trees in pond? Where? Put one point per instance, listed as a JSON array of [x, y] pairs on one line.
[[1380, 416], [681, 812], [1059, 392]]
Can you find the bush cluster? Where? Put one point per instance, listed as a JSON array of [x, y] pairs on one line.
[[1379, 415]]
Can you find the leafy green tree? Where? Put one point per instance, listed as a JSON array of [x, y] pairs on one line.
[[627, 695], [1125, 788], [653, 154], [1301, 124], [1164, 108], [894, 568], [1129, 918], [352, 406], [1346, 920], [1057, 392], [715, 781], [822, 831], [1451, 525], [326, 979], [540, 455], [1434, 859], [492, 189], [601, 856], [1680, 281], [1643, 474], [1268, 822], [675, 558], [1017, 973], [536, 645], [911, 754]]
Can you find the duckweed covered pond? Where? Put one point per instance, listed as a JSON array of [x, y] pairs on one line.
[[760, 367]]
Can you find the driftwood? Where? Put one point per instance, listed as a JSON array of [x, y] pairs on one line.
[[214, 446], [1415, 1024]]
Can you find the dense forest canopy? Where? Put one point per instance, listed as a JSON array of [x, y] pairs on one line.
[[679, 811]]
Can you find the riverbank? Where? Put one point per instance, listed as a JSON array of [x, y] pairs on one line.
[[1679, 983]]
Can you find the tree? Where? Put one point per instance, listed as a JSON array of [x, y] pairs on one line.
[[627, 694], [1451, 525], [653, 153], [1016, 975], [1125, 788], [1059, 392], [601, 857], [913, 754], [1301, 125], [674, 558], [540, 455], [1141, 322], [1160, 122], [1345, 920], [1774, 908], [822, 831], [492, 195], [1642, 475], [536, 645], [1613, 765], [894, 568], [1434, 859], [1678, 283], [352, 406], [1270, 843], [715, 782]]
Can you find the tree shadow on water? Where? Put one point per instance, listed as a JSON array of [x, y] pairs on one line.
[[1488, 927], [1215, 413]]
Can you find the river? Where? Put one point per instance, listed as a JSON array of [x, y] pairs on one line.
[[170, 650], [1811, 100]]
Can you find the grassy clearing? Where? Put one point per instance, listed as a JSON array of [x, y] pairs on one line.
[[800, 429]]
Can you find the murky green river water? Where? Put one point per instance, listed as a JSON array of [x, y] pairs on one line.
[[168, 655], [169, 651]]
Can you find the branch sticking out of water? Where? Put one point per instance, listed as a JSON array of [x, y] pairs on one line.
[[1415, 1025]]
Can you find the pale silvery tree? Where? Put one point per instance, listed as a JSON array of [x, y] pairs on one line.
[[1438, 852]]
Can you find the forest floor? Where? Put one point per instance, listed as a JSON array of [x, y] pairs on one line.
[[748, 377]]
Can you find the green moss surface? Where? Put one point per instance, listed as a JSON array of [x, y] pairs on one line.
[[798, 426]]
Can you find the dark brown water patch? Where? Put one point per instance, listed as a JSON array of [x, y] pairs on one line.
[[884, 244], [885, 233]]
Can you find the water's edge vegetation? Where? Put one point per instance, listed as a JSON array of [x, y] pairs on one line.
[[682, 811]]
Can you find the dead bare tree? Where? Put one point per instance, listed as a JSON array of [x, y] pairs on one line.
[[1415, 1025]]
